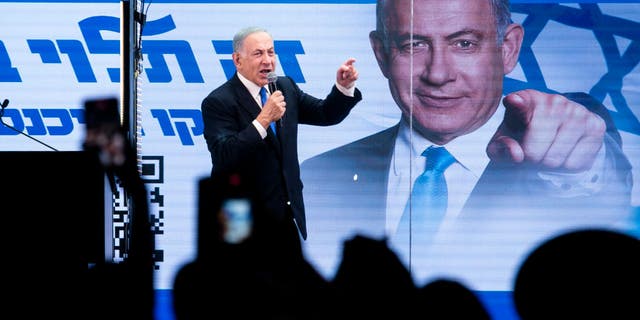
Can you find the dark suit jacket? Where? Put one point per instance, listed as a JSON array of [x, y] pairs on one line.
[[346, 191], [269, 166]]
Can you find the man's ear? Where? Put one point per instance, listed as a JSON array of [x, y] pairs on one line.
[[377, 44], [511, 43], [236, 58]]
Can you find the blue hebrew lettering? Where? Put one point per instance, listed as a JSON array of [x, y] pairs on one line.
[[156, 49], [195, 117], [66, 125], [163, 120], [7, 72], [91, 31], [286, 50], [46, 49], [225, 47], [16, 120], [37, 125], [185, 132], [78, 114], [79, 61], [72, 48]]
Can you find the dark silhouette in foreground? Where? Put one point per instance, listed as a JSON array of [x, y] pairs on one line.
[[260, 276], [582, 274], [450, 299]]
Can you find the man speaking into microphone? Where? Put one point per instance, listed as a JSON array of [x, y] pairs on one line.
[[272, 77], [251, 126]]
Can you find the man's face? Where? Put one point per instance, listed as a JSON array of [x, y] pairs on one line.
[[451, 71], [256, 58]]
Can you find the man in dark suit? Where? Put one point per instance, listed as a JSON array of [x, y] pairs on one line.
[[237, 125], [525, 166]]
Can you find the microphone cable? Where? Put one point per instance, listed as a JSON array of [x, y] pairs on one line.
[[5, 103]]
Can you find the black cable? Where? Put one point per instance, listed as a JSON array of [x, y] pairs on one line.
[[4, 105]]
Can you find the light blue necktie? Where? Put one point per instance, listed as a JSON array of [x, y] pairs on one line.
[[263, 98], [428, 202]]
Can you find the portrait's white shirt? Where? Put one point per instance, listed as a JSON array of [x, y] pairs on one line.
[[500, 236], [407, 164], [469, 150]]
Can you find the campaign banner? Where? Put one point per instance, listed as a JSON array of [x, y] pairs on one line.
[[56, 54]]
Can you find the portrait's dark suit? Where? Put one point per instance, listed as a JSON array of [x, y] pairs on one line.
[[346, 193], [270, 166]]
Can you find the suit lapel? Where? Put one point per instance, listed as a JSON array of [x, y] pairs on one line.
[[249, 105], [372, 168], [501, 185]]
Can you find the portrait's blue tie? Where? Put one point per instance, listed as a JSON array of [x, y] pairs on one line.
[[427, 204], [263, 98], [429, 193]]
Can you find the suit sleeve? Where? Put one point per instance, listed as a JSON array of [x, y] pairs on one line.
[[331, 110], [229, 134]]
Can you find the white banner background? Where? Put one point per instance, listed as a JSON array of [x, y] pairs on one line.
[[328, 33]]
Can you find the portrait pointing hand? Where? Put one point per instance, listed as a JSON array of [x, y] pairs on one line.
[[549, 130]]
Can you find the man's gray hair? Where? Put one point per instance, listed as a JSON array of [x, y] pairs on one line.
[[238, 38], [501, 13]]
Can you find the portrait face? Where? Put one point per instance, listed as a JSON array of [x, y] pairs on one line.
[[256, 58], [449, 67]]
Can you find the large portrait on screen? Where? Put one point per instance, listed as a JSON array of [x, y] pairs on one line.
[[535, 107]]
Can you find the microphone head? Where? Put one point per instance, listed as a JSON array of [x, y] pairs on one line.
[[272, 77], [5, 103]]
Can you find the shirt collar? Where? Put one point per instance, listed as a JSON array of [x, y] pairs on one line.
[[469, 149], [254, 89]]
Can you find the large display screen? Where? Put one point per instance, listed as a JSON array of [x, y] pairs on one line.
[[358, 174]]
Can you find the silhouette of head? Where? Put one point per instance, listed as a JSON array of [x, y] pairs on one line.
[[371, 281], [587, 273], [449, 299]]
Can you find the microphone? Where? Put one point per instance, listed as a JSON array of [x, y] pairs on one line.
[[271, 78], [5, 103]]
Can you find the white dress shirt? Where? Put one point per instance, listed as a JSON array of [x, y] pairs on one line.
[[407, 164]]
